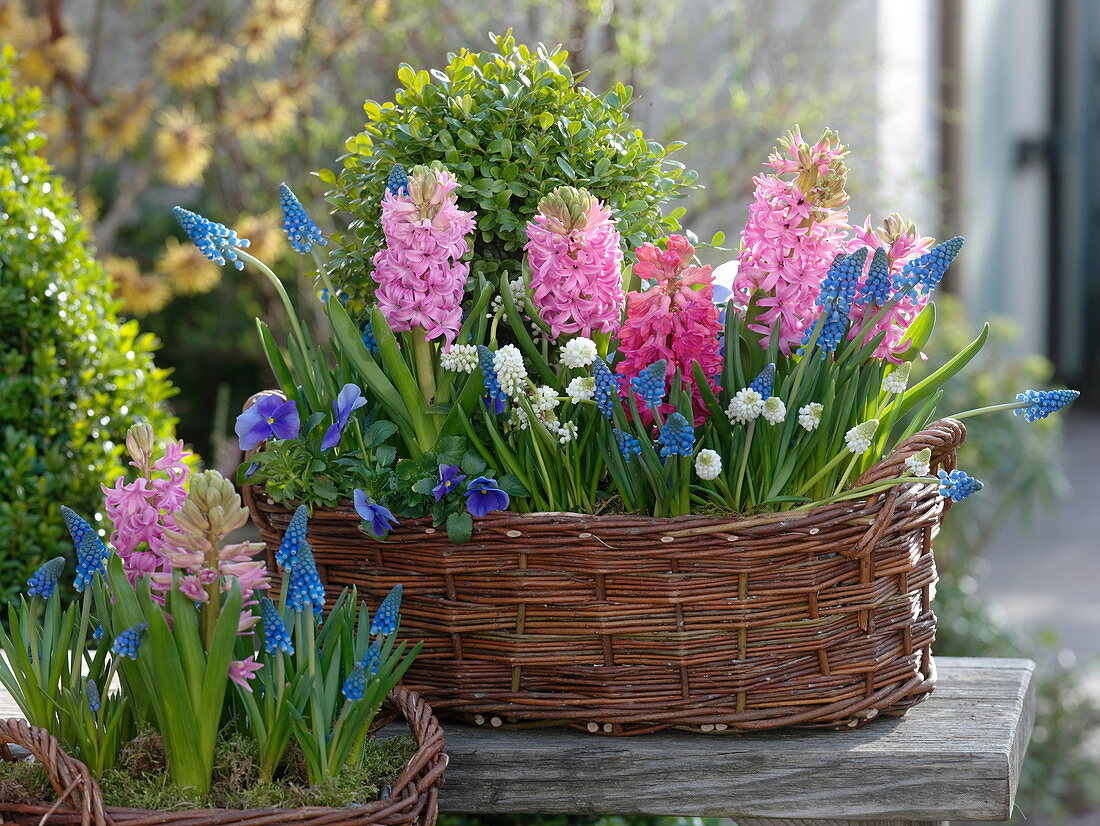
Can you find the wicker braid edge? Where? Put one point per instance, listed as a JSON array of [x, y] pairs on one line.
[[413, 798], [624, 624]]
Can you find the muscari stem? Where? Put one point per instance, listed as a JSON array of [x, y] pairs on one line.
[[283, 296], [993, 408]]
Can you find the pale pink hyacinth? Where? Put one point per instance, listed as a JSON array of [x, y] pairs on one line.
[[675, 320], [796, 227], [142, 510], [903, 244], [242, 671], [575, 255], [420, 274]]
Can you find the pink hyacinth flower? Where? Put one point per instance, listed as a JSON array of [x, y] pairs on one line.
[[675, 319], [243, 671], [574, 253], [419, 273]]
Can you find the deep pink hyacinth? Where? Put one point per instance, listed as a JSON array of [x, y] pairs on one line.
[[419, 273], [902, 243], [796, 227], [675, 320], [576, 260]]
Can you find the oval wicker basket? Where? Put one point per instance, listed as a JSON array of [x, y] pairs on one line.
[[412, 800], [628, 624]]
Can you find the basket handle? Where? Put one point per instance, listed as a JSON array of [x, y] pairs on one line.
[[68, 776], [943, 438]]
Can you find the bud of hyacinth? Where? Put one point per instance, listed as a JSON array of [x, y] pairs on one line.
[[919, 464], [858, 439], [397, 182], [581, 389], [355, 685], [511, 373], [216, 241], [1044, 402], [461, 358], [95, 702], [212, 509], [44, 581], [677, 437], [78, 527], [764, 383], [140, 444], [276, 635], [129, 641], [298, 226], [897, 380], [708, 464], [775, 411], [746, 405], [575, 256], [809, 415], [91, 559], [578, 352], [629, 447], [293, 538], [957, 485], [385, 618], [373, 657]]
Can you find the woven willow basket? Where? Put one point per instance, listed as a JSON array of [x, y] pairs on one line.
[[412, 798], [628, 624]]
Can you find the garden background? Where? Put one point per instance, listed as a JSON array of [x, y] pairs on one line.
[[971, 117]]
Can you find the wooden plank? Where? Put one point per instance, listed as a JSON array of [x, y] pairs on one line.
[[956, 756]]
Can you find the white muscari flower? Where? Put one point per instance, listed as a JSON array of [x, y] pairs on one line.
[[898, 380], [581, 389], [578, 352], [461, 358], [745, 406], [511, 373], [519, 418], [859, 437], [544, 398], [567, 432], [774, 410], [708, 464], [919, 464], [809, 415]]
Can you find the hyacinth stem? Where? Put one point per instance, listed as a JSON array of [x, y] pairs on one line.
[[865, 490], [744, 463], [283, 296], [993, 408], [82, 634], [424, 366], [322, 271], [847, 472], [821, 473]]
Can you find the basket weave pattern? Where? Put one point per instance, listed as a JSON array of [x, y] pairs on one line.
[[628, 624], [412, 801]]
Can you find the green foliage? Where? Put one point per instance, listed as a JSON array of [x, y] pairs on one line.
[[511, 125], [72, 377]]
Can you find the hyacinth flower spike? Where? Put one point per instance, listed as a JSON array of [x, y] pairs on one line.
[[44, 581], [958, 485], [1033, 405], [300, 229], [386, 617]]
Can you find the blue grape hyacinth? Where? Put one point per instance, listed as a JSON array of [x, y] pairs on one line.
[[305, 589], [129, 641], [276, 635], [77, 525], [355, 685], [300, 229], [95, 701], [765, 382], [44, 581], [293, 538], [650, 384], [957, 485], [607, 388], [677, 437], [216, 241], [369, 340], [877, 287], [91, 559], [397, 182], [385, 618], [629, 447], [1044, 402], [495, 397], [926, 272], [373, 657]]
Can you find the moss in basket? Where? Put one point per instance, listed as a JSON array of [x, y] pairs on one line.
[[512, 125]]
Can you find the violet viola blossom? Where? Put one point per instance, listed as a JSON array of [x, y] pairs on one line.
[[347, 402], [449, 477], [483, 495], [378, 518], [271, 417]]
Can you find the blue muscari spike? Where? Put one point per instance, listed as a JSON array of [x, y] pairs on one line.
[[838, 291], [94, 700], [91, 559], [356, 683], [373, 657], [385, 618], [78, 527], [489, 375], [607, 388], [397, 182], [876, 287], [1044, 402], [369, 340], [216, 241], [128, 642], [957, 485], [765, 382], [677, 436], [276, 635], [629, 447], [293, 538], [44, 581], [924, 273], [300, 229], [650, 384], [97, 634], [305, 589]]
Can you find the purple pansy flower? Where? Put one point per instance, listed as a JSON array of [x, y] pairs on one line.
[[449, 477], [349, 400], [378, 518], [484, 495], [271, 417]]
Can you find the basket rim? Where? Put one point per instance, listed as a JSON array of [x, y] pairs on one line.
[[420, 778]]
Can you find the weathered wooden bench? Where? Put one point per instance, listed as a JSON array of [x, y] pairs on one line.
[[956, 756]]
